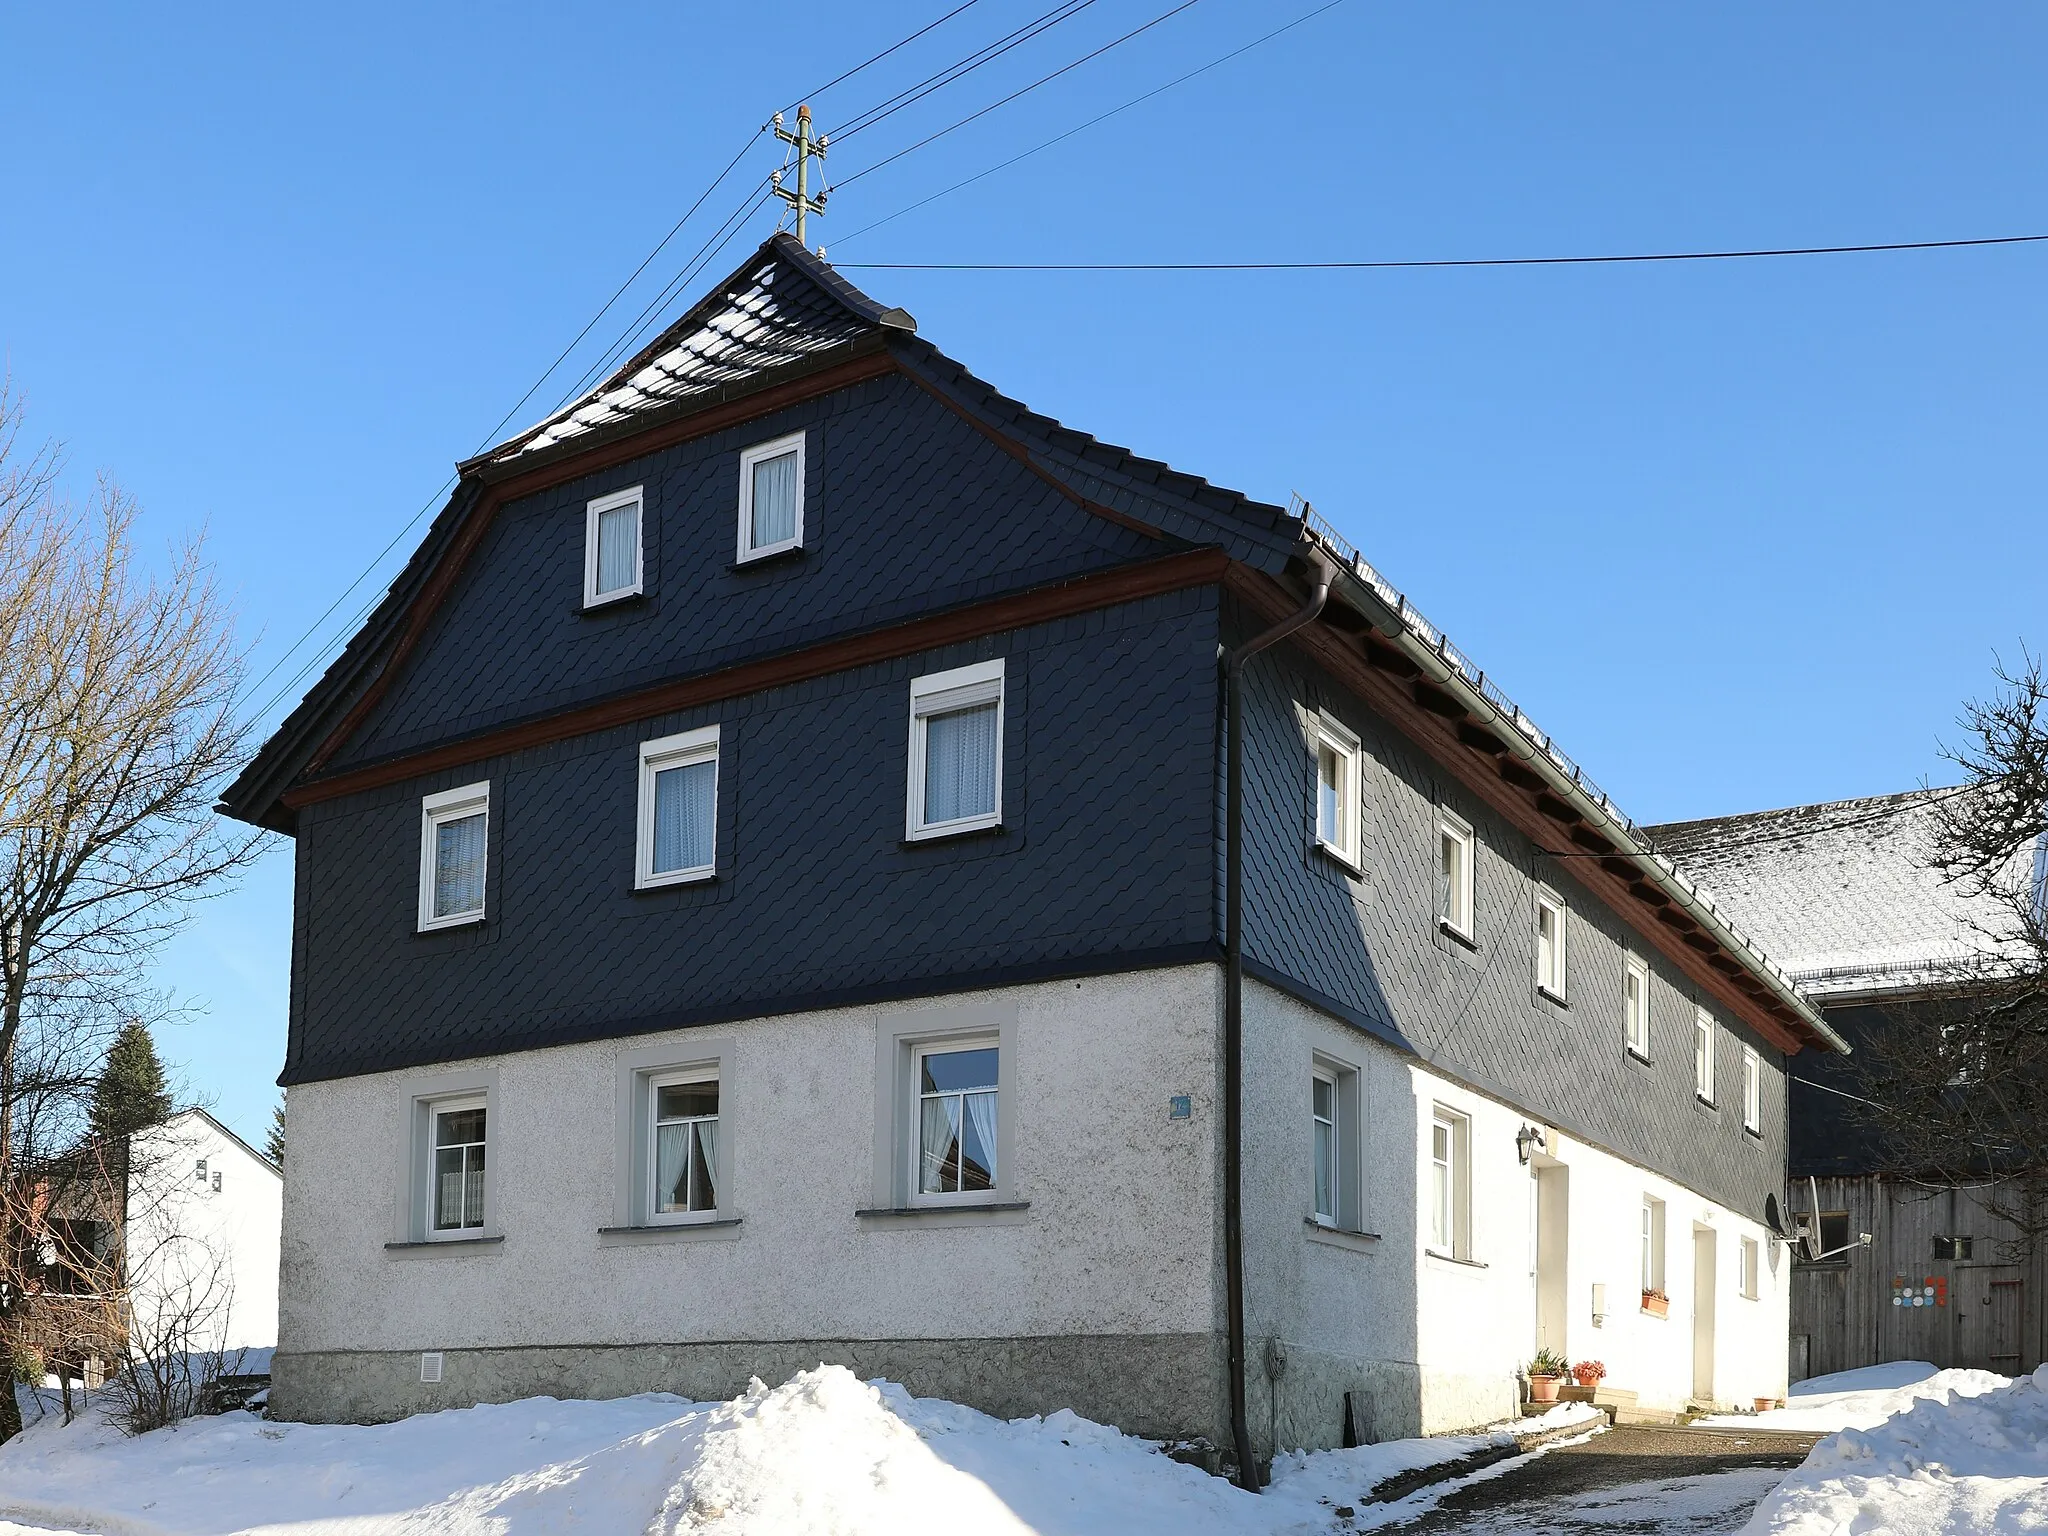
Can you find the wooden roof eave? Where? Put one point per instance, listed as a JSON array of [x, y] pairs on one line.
[[1371, 647]]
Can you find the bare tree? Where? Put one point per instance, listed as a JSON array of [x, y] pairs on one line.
[[1957, 1081], [117, 725]]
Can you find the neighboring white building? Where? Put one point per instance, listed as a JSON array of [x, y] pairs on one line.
[[204, 1211]]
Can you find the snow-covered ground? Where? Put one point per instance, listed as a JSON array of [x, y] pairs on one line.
[[1862, 1399], [822, 1455], [1943, 1465]]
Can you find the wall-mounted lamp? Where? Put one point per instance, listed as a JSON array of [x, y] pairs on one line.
[[1525, 1141]]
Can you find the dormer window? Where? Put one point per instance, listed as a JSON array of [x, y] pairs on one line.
[[611, 548], [772, 498]]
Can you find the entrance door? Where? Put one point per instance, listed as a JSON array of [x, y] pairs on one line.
[[1704, 1272], [2005, 1327], [1553, 1224]]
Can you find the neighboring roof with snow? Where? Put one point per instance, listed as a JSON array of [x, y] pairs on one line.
[[1841, 893]]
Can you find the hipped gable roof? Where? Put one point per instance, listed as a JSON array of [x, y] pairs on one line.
[[783, 323], [780, 317]]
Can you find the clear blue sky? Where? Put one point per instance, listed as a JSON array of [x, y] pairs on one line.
[[1740, 534]]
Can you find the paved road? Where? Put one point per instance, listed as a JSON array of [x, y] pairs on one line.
[[1688, 1482]]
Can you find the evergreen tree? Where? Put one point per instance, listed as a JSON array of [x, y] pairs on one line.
[[273, 1145], [130, 1095]]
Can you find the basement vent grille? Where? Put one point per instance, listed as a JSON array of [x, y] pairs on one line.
[[430, 1368]]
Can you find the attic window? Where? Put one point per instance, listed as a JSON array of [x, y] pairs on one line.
[[611, 548], [1336, 790], [772, 498]]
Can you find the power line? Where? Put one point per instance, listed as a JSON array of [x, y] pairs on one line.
[[960, 68], [812, 95], [1386, 266], [1101, 118], [1026, 90]]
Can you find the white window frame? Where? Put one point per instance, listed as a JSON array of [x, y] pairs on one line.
[[1704, 1045], [651, 1084], [1459, 911], [942, 1047], [1752, 1090], [1748, 1269], [665, 752], [1333, 1217], [435, 1108], [1635, 1032], [1344, 745], [1457, 1166], [452, 805], [1552, 984], [749, 457], [593, 512], [939, 693], [1652, 1250]]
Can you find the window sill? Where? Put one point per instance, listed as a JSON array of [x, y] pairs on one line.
[[612, 602], [1662, 1317], [1456, 934], [1551, 997], [994, 1213], [1754, 1132], [444, 924], [949, 834], [722, 1228], [654, 884], [422, 1246], [1445, 1258], [1341, 1237], [758, 558], [1350, 864], [1701, 1101], [1636, 1056]]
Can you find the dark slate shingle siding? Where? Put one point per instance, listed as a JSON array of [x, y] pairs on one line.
[[1108, 760], [1372, 947], [907, 509]]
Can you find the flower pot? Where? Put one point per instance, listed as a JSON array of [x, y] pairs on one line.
[[1764, 1404], [1542, 1389], [1655, 1305]]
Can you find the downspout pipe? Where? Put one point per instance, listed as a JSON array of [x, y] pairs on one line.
[[1233, 1012]]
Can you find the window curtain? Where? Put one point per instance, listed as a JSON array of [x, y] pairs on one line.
[[938, 1146], [960, 764], [774, 506], [459, 866], [704, 1167], [618, 547], [981, 1140], [1327, 800], [685, 816], [671, 1167]]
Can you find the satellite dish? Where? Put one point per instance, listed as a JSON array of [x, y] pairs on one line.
[[1774, 1218]]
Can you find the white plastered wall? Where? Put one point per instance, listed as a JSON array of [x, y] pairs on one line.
[[196, 1251], [1464, 1329], [1118, 1236]]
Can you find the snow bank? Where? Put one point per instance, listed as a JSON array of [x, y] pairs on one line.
[[1863, 1399], [1944, 1466], [822, 1455]]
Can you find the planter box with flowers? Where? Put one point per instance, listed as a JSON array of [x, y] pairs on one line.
[[1545, 1372], [1656, 1303]]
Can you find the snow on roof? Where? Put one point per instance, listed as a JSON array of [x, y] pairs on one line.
[[779, 309], [1841, 893]]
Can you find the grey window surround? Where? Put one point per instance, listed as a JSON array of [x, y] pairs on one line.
[[410, 1213], [994, 1213], [632, 1197], [724, 1228], [1341, 1237], [897, 1033], [1351, 1112], [448, 1245]]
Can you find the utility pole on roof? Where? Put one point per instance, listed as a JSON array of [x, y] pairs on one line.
[[807, 149]]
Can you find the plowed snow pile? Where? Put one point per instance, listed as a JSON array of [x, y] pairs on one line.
[[822, 1455], [1950, 1465]]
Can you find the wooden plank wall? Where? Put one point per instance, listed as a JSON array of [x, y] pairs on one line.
[[1986, 1311]]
